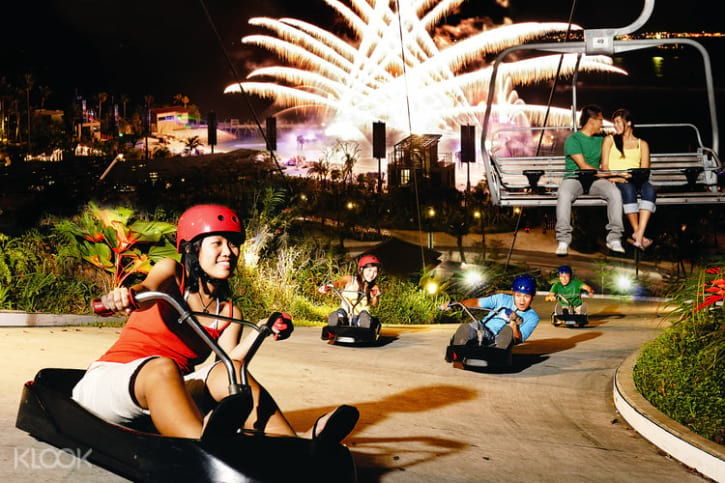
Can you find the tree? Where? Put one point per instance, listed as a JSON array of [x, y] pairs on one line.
[[350, 154], [192, 144], [102, 97], [45, 93], [28, 83], [181, 99], [124, 102], [6, 91], [321, 169]]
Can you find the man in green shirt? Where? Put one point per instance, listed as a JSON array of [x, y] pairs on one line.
[[568, 291], [583, 150]]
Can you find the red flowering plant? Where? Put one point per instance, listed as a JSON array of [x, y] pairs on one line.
[[112, 241], [714, 290]]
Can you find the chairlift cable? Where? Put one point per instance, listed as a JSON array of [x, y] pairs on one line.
[[556, 77], [410, 131], [237, 80], [546, 120]]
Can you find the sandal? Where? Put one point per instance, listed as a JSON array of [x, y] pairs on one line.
[[646, 243], [338, 425]]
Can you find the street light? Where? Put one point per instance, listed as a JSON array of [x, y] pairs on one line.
[[429, 215], [479, 216]]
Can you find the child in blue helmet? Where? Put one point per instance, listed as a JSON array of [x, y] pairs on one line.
[[567, 292], [511, 326]]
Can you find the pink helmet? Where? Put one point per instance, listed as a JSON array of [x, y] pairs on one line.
[[206, 219], [367, 260]]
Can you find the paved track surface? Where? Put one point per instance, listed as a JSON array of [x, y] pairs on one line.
[[551, 418]]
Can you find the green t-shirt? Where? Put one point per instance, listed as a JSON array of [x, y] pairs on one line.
[[572, 292], [588, 146]]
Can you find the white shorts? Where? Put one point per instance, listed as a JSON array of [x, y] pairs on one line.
[[105, 390]]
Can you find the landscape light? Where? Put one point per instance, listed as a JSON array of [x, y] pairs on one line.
[[472, 277], [623, 283], [431, 288]]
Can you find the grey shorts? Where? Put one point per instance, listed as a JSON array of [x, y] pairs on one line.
[[105, 390]]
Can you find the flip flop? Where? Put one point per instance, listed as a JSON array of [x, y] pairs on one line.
[[338, 425], [646, 243]]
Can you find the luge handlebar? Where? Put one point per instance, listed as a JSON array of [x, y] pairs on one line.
[[188, 317]]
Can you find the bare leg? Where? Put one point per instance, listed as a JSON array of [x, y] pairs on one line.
[[265, 415], [634, 221], [160, 388], [644, 216]]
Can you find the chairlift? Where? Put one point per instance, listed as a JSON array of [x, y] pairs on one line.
[[684, 174]]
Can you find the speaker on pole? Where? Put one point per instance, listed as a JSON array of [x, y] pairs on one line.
[[271, 134], [378, 139], [211, 128], [468, 144]]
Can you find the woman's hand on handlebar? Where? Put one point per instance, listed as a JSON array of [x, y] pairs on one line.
[[119, 299]]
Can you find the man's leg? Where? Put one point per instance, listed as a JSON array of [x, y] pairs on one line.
[[464, 333], [505, 337], [569, 190], [607, 190]]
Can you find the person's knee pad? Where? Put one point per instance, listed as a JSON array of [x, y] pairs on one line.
[[338, 317], [364, 319], [462, 335]]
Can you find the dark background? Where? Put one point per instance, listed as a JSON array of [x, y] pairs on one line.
[[165, 47]]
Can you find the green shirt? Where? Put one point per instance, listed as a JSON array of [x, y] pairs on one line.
[[588, 146], [572, 292]]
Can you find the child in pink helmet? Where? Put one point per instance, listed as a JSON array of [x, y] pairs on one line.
[[359, 293]]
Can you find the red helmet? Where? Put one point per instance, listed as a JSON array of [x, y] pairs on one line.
[[367, 260], [206, 219]]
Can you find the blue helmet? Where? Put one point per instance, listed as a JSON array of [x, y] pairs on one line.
[[564, 269], [524, 284]]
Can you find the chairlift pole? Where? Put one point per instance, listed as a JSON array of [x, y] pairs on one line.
[[513, 241]]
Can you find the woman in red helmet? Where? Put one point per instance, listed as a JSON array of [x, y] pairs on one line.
[[359, 293], [150, 369]]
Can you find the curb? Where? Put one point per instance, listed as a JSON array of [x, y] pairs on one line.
[[673, 438], [17, 318]]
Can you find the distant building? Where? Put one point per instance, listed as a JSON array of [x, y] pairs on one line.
[[418, 154], [165, 120]]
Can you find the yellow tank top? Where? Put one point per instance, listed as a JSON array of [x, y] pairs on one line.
[[632, 158]]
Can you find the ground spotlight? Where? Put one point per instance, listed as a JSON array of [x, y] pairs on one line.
[[431, 287], [623, 283], [472, 277]]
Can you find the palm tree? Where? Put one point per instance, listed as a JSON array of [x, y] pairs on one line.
[[181, 99], [5, 98], [124, 101], [45, 93], [191, 144], [320, 168], [28, 83], [102, 97]]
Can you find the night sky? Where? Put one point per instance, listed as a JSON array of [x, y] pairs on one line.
[[165, 47]]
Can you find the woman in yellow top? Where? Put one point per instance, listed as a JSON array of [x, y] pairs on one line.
[[624, 151]]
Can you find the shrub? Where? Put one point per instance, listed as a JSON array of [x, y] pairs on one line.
[[404, 302], [682, 372], [35, 279]]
